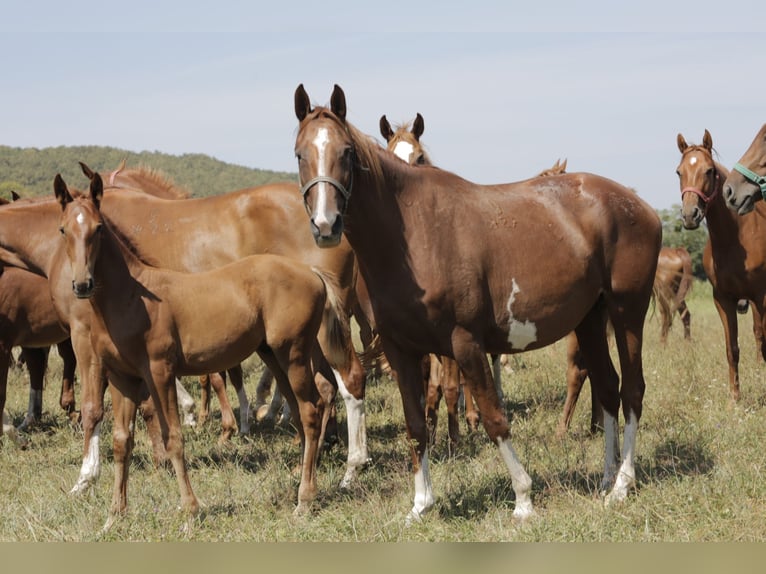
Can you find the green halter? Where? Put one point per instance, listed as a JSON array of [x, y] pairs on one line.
[[753, 178]]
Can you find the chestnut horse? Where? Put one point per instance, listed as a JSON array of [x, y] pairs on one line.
[[673, 282], [145, 326], [508, 268], [734, 257], [195, 235], [155, 183]]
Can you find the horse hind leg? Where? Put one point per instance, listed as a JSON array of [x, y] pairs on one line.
[[237, 381], [36, 360], [67, 397], [592, 342]]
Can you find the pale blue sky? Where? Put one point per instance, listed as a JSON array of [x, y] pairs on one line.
[[505, 88]]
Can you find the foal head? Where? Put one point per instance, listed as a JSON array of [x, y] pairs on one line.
[[325, 151], [746, 183], [698, 178], [405, 142], [81, 230]]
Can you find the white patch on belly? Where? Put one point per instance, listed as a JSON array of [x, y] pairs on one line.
[[520, 334]]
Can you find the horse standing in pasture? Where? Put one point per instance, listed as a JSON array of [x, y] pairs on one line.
[[195, 235], [528, 263], [734, 257], [146, 325], [158, 185]]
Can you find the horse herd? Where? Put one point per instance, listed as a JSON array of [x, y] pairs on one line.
[[139, 285]]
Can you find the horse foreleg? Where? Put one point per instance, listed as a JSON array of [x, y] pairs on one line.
[[407, 371], [204, 403], [92, 383], [758, 330], [124, 393], [727, 312], [228, 420], [472, 415], [450, 383], [431, 375], [351, 386], [67, 398], [237, 381]]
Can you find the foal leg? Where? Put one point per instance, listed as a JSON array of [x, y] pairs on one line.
[[431, 375], [450, 383], [5, 361], [36, 360], [186, 404], [125, 398], [228, 420], [686, 320], [351, 386], [66, 399], [160, 381]]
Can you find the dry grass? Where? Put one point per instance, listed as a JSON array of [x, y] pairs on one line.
[[700, 465]]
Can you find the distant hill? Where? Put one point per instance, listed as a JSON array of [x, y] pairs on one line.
[[30, 171]]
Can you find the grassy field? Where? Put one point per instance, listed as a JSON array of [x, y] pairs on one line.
[[700, 465]]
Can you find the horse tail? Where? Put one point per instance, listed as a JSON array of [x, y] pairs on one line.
[[684, 286], [335, 333]]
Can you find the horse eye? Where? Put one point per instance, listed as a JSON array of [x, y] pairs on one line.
[[421, 160], [678, 173], [709, 171], [61, 230], [98, 228]]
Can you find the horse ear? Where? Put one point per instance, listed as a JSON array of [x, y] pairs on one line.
[[15, 196], [385, 128], [96, 189], [418, 126], [302, 103], [338, 102], [707, 141], [86, 170], [682, 145], [61, 192], [563, 166]]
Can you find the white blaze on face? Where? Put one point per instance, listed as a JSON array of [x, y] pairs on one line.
[[403, 150], [692, 160], [80, 218], [321, 220], [520, 334]]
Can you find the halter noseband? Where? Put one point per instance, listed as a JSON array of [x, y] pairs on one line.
[[752, 177], [346, 193]]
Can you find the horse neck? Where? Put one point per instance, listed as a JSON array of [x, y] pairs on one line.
[[30, 231], [723, 224], [116, 270], [376, 213]]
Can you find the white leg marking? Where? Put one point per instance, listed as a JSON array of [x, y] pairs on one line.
[[357, 432], [626, 477], [186, 403], [244, 411], [424, 497], [91, 464], [611, 451], [520, 335], [522, 483]]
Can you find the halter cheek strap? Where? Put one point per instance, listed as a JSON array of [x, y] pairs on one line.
[[752, 177]]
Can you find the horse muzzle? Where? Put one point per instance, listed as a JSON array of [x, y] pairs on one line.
[[740, 201], [83, 289], [327, 237]]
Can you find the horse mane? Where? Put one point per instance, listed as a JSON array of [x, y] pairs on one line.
[[713, 155], [157, 177]]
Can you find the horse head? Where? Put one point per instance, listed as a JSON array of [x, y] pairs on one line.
[[404, 141], [698, 178], [746, 183], [325, 153], [81, 230]]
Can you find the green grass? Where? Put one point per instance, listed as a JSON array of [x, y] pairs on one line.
[[700, 465]]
